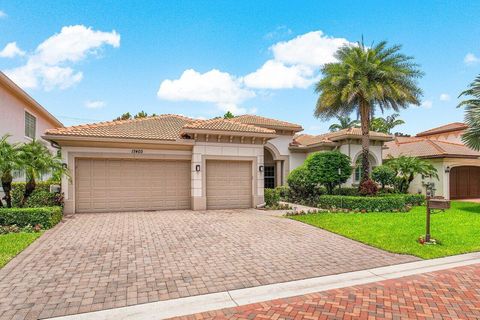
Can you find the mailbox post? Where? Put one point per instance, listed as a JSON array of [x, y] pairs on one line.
[[434, 203]]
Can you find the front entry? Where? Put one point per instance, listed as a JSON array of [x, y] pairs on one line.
[[465, 182]]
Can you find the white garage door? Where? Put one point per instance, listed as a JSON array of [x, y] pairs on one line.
[[104, 185], [229, 184]]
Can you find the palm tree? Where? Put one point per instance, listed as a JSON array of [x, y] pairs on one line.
[[37, 161], [343, 123], [365, 78], [386, 125], [8, 163], [471, 136], [406, 168]]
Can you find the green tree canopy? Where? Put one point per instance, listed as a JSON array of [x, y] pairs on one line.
[[228, 115], [343, 123], [365, 78], [386, 125], [329, 168]]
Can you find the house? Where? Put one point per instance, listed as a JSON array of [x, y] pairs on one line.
[[458, 166], [21, 116], [175, 162]]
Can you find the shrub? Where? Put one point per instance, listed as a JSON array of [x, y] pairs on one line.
[[414, 199], [328, 168], [47, 217], [283, 191], [346, 191], [272, 197], [300, 184], [384, 175], [41, 196], [368, 188], [366, 204]]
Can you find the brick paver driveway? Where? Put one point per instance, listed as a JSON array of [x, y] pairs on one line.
[[446, 294], [98, 261]]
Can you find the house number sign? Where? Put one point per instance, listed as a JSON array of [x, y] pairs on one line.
[[137, 151]]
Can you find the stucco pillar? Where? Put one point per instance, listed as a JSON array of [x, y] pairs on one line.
[[278, 173]]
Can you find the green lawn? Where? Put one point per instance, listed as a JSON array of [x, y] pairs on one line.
[[13, 243], [458, 229]]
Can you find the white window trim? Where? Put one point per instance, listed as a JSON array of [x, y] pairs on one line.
[[24, 126]]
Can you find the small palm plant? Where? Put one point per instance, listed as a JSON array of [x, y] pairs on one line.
[[365, 78], [8, 163], [471, 136], [37, 161], [407, 168], [343, 123]]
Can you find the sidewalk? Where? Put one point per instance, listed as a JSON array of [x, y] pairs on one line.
[[447, 287]]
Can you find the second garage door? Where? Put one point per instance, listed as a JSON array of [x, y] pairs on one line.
[[104, 185], [229, 184], [465, 182]]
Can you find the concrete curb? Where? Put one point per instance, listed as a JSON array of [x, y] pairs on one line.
[[233, 298]]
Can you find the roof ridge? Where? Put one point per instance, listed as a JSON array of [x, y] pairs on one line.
[[115, 122], [440, 149]]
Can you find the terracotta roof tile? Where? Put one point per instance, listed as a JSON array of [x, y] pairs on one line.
[[267, 122], [162, 127], [309, 140], [426, 148], [228, 125], [454, 126]]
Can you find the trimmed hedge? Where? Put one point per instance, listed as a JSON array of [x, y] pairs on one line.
[[47, 217], [398, 202], [41, 197]]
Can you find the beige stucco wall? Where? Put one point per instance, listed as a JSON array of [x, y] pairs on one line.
[[12, 119]]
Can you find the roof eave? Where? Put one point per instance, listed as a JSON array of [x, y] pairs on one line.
[[349, 136], [57, 138], [229, 133]]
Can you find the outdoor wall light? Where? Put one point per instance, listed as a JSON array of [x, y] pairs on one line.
[[64, 165], [197, 168], [447, 169], [260, 168]]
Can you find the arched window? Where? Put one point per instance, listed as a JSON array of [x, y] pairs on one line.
[[357, 173]]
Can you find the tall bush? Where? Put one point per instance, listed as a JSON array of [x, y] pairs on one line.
[[384, 175], [330, 168]]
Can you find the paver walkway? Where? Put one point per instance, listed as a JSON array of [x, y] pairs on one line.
[[99, 261], [446, 294]]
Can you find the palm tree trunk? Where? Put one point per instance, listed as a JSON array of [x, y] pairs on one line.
[[365, 122], [7, 188], [29, 188]]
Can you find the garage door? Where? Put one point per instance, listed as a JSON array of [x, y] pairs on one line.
[[465, 182], [229, 184], [104, 185]]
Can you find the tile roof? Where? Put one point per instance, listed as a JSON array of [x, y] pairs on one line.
[[454, 126], [228, 125], [163, 127], [426, 148], [331, 137], [267, 122]]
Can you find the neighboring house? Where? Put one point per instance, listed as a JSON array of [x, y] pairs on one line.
[[22, 117], [174, 162], [458, 166]]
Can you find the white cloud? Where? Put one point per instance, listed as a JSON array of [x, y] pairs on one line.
[[312, 49], [470, 59], [276, 75], [46, 66], [295, 64], [94, 104], [214, 86], [427, 104], [11, 50], [444, 97], [3, 14], [280, 31]]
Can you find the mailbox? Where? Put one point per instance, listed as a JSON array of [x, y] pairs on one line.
[[438, 204]]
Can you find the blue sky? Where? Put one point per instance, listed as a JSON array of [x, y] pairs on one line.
[[94, 60]]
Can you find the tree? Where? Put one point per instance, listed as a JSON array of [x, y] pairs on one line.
[[329, 168], [125, 116], [8, 163], [37, 160], [384, 175], [385, 125], [406, 168], [365, 78], [141, 114], [343, 123], [471, 136], [228, 115]]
